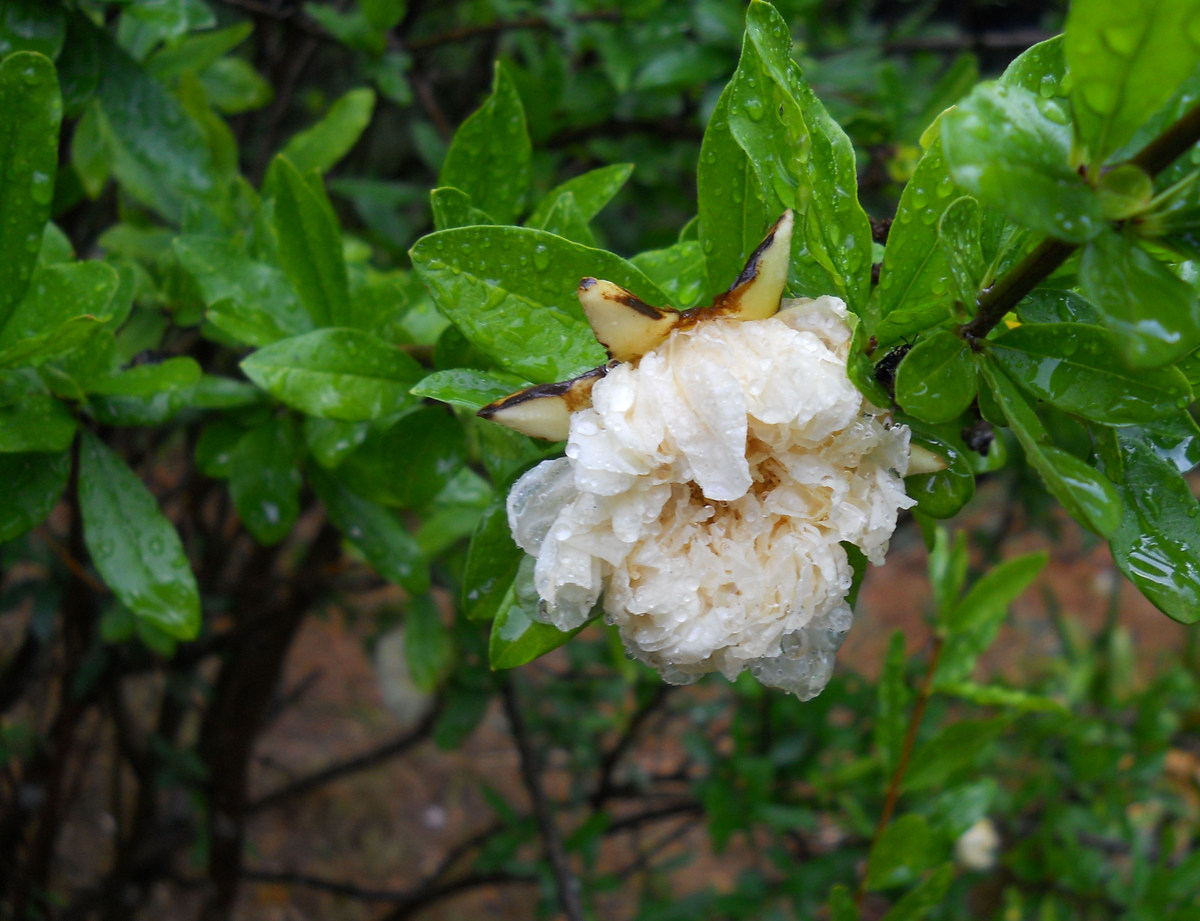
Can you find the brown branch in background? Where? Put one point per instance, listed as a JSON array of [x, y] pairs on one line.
[[566, 884], [612, 757]]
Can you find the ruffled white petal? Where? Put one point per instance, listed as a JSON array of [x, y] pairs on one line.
[[706, 494]]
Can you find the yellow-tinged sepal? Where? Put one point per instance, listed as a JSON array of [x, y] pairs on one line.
[[544, 410], [922, 460], [757, 291], [625, 325]]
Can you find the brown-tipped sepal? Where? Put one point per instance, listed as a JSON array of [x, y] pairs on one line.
[[757, 291], [625, 325], [544, 410]]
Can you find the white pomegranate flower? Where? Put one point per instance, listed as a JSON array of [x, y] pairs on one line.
[[712, 472]]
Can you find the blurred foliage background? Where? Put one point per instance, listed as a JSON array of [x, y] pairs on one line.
[[136, 779]]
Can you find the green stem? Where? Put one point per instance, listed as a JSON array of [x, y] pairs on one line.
[[1035, 268]]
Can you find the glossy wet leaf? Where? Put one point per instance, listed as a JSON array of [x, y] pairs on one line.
[[492, 562], [1051, 305], [35, 423], [517, 638], [264, 480], [591, 191], [914, 290], [1124, 191], [905, 849], [158, 151], [381, 537], [339, 374], [1126, 59], [133, 546], [1039, 69], [677, 269], [1155, 315], [467, 387], [250, 300], [512, 292], [1155, 545], [802, 160], [566, 219], [32, 486], [1084, 492], [959, 230], [452, 208], [1080, 369], [197, 51], [30, 114], [63, 307], [409, 463], [936, 380], [489, 157], [941, 494], [320, 147], [147, 380], [310, 245], [31, 25], [1011, 149]]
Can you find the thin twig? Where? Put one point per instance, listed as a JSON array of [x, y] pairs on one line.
[[564, 879]]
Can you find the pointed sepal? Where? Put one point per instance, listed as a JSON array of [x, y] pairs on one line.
[[625, 325], [757, 291], [544, 410], [922, 460]]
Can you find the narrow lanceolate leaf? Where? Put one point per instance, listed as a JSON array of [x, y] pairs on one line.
[[512, 292], [133, 546], [1155, 545], [802, 159], [1126, 60], [1084, 492], [32, 486], [30, 114], [914, 287], [1155, 315], [310, 245], [591, 190], [35, 423], [264, 480], [936, 380], [990, 597], [377, 533], [319, 148], [1080, 369], [339, 374], [891, 713], [489, 158], [1011, 149]]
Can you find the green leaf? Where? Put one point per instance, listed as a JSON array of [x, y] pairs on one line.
[[936, 380], [677, 269], [1079, 369], [941, 494], [1048, 305], [1039, 69], [1155, 545], [566, 219], [1126, 60], [428, 644], [53, 344], [310, 245], [408, 464], [1011, 149], [147, 380], [133, 546], [32, 486], [377, 533], [1085, 493], [264, 480], [31, 25], [1155, 315], [62, 307], [992, 695], [196, 52], [901, 853], [37, 423], [892, 709], [511, 292], [989, 598], [959, 230], [841, 904], [30, 115], [591, 190], [452, 208], [159, 153], [489, 158], [955, 748], [467, 387], [233, 86], [517, 638], [319, 148], [330, 442], [914, 279], [924, 898], [733, 215], [947, 568], [492, 562], [252, 301], [339, 374], [802, 160]]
